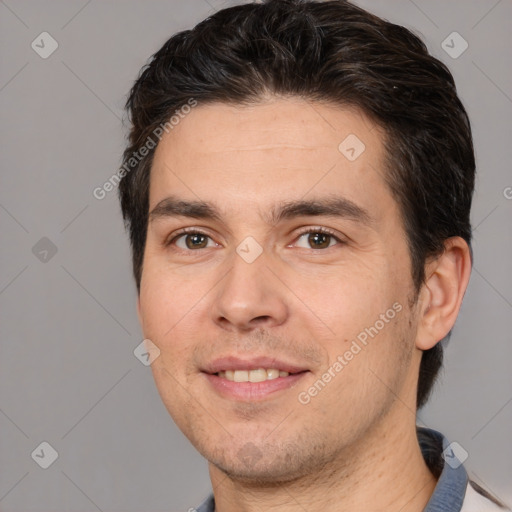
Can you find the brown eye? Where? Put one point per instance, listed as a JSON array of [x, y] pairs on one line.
[[319, 240], [196, 241], [192, 241], [315, 239]]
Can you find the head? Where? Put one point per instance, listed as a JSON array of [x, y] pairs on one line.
[[264, 96]]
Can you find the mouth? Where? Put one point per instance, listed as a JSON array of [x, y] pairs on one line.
[[252, 380], [258, 375]]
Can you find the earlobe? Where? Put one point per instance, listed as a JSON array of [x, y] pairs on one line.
[[442, 294]]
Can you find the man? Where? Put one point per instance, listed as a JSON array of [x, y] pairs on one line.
[[297, 187]]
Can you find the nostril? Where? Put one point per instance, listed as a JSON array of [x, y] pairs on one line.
[[261, 319]]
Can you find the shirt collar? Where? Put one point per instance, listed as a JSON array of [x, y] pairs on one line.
[[453, 479]]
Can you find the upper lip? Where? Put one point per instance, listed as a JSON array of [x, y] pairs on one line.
[[222, 364]]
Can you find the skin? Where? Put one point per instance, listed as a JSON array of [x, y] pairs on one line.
[[353, 446]]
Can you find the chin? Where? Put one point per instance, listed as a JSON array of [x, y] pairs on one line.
[[268, 474], [269, 464]]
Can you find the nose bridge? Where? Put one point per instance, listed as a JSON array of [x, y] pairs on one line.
[[249, 294], [245, 283]]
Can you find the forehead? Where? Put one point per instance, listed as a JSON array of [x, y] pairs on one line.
[[282, 148]]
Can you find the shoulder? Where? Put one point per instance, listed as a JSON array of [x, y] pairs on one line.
[[477, 499]]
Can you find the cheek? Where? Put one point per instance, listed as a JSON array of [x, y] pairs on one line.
[[165, 298], [351, 301], [169, 320], [368, 376], [368, 313], [167, 310]]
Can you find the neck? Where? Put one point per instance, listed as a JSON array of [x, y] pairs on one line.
[[384, 471]]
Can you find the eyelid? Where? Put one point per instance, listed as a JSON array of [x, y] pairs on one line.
[[185, 231], [303, 231], [320, 229]]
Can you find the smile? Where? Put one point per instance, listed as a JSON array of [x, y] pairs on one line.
[[258, 375]]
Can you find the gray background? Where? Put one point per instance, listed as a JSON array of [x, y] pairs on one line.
[[68, 323]]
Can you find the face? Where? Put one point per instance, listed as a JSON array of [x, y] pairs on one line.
[[276, 284]]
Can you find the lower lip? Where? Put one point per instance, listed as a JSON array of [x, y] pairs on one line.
[[252, 391]]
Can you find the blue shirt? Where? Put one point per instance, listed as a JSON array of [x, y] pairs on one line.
[[453, 492]]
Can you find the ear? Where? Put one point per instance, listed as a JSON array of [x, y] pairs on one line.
[[447, 278]]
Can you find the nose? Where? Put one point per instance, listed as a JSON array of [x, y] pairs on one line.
[[250, 297]]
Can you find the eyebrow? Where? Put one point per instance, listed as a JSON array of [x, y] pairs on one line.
[[331, 206]]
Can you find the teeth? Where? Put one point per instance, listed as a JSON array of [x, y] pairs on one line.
[[259, 375], [241, 376], [272, 374]]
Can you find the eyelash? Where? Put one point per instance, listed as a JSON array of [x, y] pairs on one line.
[[195, 231], [323, 231]]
